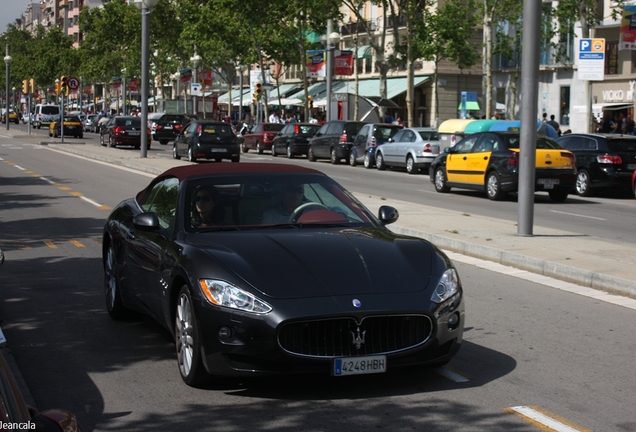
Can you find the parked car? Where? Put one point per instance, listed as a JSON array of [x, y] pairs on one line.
[[13, 117], [90, 119], [72, 127], [122, 130], [293, 139], [489, 162], [16, 414], [370, 137], [243, 297], [334, 140], [634, 184], [260, 136], [45, 114], [207, 139], [412, 148], [602, 160], [170, 125], [152, 123]]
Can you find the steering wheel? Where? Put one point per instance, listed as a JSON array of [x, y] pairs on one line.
[[302, 208]]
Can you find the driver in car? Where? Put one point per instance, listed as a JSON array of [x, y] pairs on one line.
[[293, 196]]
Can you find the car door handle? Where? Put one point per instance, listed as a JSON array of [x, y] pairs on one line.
[[485, 157], [464, 158], [130, 235]]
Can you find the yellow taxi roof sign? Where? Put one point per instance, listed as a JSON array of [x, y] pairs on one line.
[[454, 125]]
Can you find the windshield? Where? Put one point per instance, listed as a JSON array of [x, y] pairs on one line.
[[50, 110], [273, 127], [264, 201]]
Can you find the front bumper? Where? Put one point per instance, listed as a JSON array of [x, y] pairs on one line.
[[255, 349]]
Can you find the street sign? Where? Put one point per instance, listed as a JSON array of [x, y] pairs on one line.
[[73, 83], [591, 59], [195, 89]]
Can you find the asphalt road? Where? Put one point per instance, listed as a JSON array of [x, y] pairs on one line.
[[525, 345]]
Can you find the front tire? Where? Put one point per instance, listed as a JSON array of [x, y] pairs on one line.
[[186, 335], [367, 161], [259, 148], [410, 165], [175, 153], [493, 187], [274, 151], [111, 142], [379, 161], [244, 148], [440, 181], [290, 154], [310, 155], [583, 187], [352, 159], [114, 304]]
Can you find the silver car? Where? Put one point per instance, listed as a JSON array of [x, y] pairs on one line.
[[368, 140], [411, 148]]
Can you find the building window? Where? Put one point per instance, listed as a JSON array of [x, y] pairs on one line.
[[611, 58], [565, 106]]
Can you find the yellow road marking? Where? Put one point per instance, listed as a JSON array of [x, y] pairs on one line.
[[64, 188], [76, 243], [76, 193], [50, 244]]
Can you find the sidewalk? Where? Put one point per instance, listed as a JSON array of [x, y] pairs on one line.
[[592, 262]]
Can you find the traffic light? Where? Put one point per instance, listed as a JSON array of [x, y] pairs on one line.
[[259, 90], [31, 86], [63, 84], [254, 99], [25, 86], [57, 89], [310, 102]]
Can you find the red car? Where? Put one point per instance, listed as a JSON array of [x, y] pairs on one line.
[[122, 130], [261, 136], [634, 183]]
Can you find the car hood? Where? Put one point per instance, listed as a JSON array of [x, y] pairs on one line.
[[311, 262]]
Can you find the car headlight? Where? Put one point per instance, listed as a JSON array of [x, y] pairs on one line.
[[224, 294], [447, 286]]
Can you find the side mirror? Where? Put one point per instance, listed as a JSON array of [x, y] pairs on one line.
[[388, 214], [447, 150], [146, 221]]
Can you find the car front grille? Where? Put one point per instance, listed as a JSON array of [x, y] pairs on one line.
[[342, 337]]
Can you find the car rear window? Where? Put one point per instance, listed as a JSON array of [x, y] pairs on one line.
[[273, 127], [621, 145], [217, 130], [308, 129], [171, 118], [542, 142], [50, 110], [429, 135], [71, 119], [353, 128], [135, 122]]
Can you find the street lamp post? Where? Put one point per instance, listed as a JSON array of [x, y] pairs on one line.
[[7, 62], [195, 59], [239, 70], [330, 40], [145, 6]]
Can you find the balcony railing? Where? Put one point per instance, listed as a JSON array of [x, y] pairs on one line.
[[359, 27]]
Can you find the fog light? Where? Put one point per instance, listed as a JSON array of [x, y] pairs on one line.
[[453, 321], [225, 332]]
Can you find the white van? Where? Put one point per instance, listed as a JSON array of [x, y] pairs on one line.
[[45, 114]]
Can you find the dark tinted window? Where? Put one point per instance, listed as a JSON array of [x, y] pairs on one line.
[[335, 128], [382, 133], [71, 119], [50, 110], [542, 142], [273, 127], [308, 129], [353, 128], [172, 118], [620, 145]]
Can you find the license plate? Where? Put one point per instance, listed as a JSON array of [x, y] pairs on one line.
[[548, 182], [134, 133], [69, 127], [631, 166], [168, 127], [359, 365], [218, 150]]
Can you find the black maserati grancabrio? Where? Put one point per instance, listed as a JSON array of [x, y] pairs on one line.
[[276, 269]]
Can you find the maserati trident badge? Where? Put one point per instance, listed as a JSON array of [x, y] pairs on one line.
[[358, 338]]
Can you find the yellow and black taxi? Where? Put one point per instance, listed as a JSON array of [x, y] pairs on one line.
[[72, 127], [13, 117], [489, 162]]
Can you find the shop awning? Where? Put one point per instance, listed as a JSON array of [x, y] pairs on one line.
[[611, 106], [365, 51], [470, 106]]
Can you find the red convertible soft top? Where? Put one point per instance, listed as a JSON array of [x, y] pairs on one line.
[[183, 172]]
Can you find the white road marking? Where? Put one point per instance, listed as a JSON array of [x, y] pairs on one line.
[[577, 215], [47, 180], [543, 419], [451, 375], [90, 201], [627, 302], [19, 167]]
